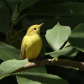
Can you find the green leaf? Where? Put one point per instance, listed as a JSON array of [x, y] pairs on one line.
[[8, 52], [22, 80], [67, 44], [26, 3], [41, 69], [62, 9], [13, 3], [11, 65], [4, 20], [68, 51], [42, 77], [77, 37], [57, 36], [25, 80]]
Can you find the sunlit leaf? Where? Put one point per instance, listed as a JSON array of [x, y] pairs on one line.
[[57, 36], [11, 65], [68, 51]]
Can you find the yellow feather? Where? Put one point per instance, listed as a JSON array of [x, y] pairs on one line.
[[31, 43]]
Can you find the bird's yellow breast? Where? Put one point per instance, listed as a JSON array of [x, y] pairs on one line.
[[31, 46]]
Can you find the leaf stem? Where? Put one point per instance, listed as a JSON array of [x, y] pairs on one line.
[[4, 76], [20, 18], [10, 32]]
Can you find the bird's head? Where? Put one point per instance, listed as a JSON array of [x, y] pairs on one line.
[[34, 29]]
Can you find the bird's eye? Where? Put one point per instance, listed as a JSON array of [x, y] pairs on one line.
[[34, 28]]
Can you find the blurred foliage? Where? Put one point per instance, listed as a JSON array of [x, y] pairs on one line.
[[65, 38]]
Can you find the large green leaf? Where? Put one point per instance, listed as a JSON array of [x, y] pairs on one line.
[[57, 36], [8, 52], [63, 21], [24, 80], [77, 37], [62, 9], [11, 65], [68, 51], [13, 3], [42, 77], [26, 3], [4, 20]]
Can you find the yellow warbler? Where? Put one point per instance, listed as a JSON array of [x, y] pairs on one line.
[[31, 43]]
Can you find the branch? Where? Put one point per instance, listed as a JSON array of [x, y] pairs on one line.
[[64, 62]]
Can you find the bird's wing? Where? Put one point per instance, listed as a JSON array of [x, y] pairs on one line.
[[23, 50], [26, 43]]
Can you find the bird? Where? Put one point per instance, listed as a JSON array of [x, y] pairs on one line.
[[31, 43]]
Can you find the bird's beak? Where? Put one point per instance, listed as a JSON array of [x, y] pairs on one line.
[[40, 25]]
